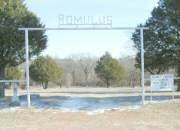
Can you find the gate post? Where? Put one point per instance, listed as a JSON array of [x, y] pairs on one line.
[[142, 63], [27, 66]]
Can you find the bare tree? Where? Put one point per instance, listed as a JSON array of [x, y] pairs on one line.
[[85, 64], [79, 71]]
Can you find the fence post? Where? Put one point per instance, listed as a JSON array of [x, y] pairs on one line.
[[2, 90]]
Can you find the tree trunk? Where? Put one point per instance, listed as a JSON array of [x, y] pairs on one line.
[[45, 85], [86, 79], [107, 83], [60, 84], [2, 87]]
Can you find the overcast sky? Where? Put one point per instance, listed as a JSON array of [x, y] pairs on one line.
[[128, 13]]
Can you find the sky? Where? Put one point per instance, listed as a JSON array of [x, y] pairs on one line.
[[123, 13]]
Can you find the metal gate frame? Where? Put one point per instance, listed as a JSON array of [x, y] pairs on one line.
[[26, 31]]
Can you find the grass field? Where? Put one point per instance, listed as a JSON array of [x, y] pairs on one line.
[[88, 91], [160, 116], [157, 116]]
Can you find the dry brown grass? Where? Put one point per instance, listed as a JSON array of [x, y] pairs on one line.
[[162, 116]]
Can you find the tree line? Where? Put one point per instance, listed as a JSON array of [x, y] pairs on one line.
[[78, 71], [162, 40]]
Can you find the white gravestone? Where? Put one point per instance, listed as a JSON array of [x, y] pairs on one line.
[[15, 98]]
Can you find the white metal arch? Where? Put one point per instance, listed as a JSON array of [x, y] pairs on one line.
[[26, 30]]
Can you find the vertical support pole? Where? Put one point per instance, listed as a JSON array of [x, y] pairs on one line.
[[173, 89], [142, 63], [27, 66]]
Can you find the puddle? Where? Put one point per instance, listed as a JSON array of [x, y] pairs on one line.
[[69, 103]]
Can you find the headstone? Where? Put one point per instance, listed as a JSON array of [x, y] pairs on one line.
[[15, 98]]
